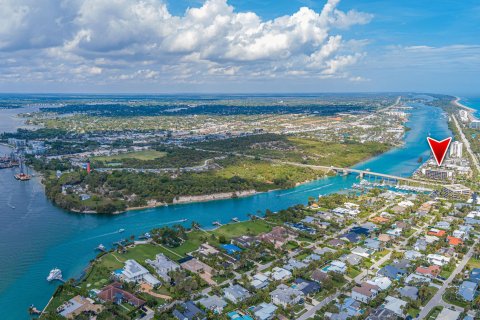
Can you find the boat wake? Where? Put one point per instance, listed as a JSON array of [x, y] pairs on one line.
[[165, 223], [303, 191]]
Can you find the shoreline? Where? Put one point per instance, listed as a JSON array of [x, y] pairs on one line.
[[471, 111]]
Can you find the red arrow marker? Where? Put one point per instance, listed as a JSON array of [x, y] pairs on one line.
[[439, 148]]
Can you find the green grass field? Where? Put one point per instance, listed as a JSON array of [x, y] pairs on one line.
[[139, 155], [473, 263]]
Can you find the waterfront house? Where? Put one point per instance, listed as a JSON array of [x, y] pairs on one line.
[[207, 250], [278, 236], [114, 293], [163, 266], [77, 306], [135, 272], [244, 241]]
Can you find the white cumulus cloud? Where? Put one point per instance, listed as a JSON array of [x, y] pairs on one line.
[[124, 40]]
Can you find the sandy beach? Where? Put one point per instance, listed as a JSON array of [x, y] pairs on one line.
[[460, 105]]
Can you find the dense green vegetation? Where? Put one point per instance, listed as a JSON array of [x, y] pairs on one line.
[[113, 192], [296, 149], [161, 157]]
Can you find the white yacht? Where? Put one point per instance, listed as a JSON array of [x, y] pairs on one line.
[[55, 274]]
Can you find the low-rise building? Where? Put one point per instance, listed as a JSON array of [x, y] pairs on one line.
[[365, 292], [213, 303], [279, 274], [188, 311], [260, 281], [264, 311], [163, 266], [286, 296], [438, 260], [431, 271], [467, 290], [135, 272], [236, 293]]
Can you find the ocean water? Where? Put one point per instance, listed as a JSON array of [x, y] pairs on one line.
[[472, 102], [35, 236]]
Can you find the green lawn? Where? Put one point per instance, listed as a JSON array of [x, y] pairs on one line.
[[473, 263], [352, 272], [139, 155], [101, 269], [432, 315], [229, 231], [450, 296]]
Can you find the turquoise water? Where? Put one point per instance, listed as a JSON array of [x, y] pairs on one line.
[[472, 102], [36, 236]]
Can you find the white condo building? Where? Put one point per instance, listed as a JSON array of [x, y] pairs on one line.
[[456, 149]]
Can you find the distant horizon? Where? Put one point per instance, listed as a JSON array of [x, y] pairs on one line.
[[234, 46], [459, 95]]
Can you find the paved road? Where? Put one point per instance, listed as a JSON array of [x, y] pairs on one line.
[[376, 265], [314, 309], [437, 298], [467, 144]]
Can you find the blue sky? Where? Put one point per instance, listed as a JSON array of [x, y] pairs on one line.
[[239, 46]]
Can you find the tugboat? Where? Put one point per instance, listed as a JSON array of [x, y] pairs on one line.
[[22, 176], [55, 274]]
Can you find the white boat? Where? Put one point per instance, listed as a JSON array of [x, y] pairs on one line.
[[101, 247], [121, 230], [55, 274]]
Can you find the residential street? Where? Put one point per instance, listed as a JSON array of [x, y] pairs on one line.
[[437, 298]]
